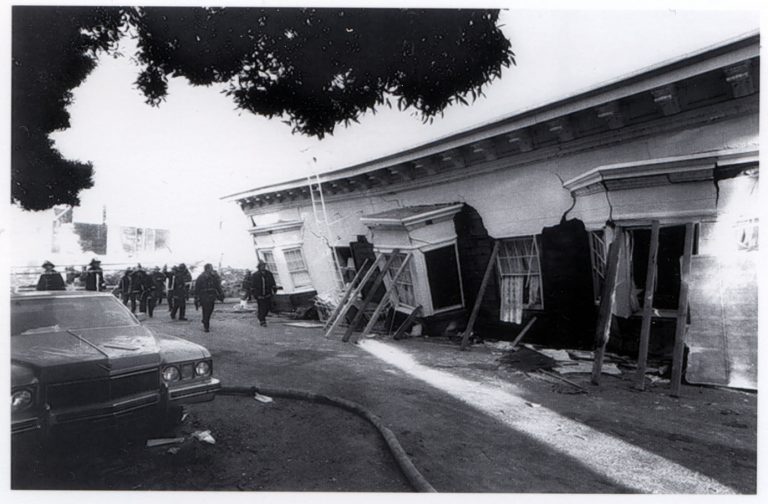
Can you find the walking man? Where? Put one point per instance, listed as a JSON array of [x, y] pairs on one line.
[[50, 279], [179, 291], [94, 277], [207, 291], [138, 289], [125, 286], [155, 289], [263, 287]]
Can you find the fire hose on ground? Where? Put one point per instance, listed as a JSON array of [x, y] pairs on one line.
[[415, 478]]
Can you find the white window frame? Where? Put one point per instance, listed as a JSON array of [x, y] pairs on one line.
[[436, 246], [293, 272], [401, 281], [533, 255], [271, 265]]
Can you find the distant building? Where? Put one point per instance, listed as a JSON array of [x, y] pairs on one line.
[[554, 186]]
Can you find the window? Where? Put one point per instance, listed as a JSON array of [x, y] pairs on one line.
[[269, 260], [404, 286], [297, 267], [747, 234], [346, 263], [443, 276], [598, 255], [520, 272]]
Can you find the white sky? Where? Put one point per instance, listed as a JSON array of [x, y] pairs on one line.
[[167, 167]]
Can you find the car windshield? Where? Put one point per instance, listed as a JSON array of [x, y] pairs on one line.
[[38, 315]]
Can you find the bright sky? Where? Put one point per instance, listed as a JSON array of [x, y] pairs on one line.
[[167, 167]]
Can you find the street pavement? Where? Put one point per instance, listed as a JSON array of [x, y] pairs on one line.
[[469, 422]]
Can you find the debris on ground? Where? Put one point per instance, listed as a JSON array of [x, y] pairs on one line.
[[560, 378], [308, 325], [586, 367], [559, 356], [204, 436], [164, 441], [262, 398], [498, 345]]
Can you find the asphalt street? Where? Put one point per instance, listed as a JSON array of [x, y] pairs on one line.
[[468, 422]]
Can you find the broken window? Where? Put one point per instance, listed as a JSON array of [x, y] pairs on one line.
[[297, 268], [443, 276], [520, 277], [269, 260], [404, 285]]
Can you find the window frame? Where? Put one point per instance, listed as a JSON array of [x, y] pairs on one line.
[[452, 243], [401, 280], [271, 265], [536, 248], [293, 272]]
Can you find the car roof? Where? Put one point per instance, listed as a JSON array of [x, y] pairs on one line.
[[58, 294]]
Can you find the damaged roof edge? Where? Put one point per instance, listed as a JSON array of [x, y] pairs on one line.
[[730, 51]]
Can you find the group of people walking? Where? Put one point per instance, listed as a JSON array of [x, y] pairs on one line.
[[147, 289], [175, 286]]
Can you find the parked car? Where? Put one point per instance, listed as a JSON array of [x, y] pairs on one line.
[[82, 359]]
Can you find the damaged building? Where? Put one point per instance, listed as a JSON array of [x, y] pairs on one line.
[[650, 178]]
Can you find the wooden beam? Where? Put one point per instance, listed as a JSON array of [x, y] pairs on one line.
[[650, 285], [603, 329], [411, 317], [480, 294], [347, 293], [522, 333], [369, 297], [682, 312], [353, 295], [385, 297]]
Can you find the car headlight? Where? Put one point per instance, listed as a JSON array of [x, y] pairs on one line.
[[171, 374], [21, 400], [203, 368]]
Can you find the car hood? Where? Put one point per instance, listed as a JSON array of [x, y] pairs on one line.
[[86, 353]]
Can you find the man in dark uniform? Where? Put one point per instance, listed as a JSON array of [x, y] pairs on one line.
[[247, 285], [155, 289], [125, 286], [50, 279], [138, 289], [263, 287], [207, 291], [180, 291], [94, 277]]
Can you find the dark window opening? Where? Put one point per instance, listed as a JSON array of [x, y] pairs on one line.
[[443, 277], [671, 244], [346, 263]]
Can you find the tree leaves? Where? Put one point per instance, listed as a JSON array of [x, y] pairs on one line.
[[312, 68]]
